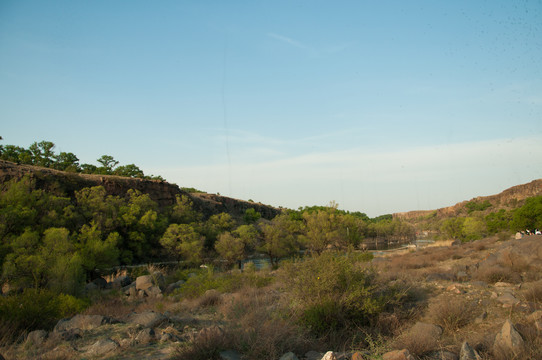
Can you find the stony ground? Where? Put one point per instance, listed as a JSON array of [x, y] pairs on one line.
[[482, 301]]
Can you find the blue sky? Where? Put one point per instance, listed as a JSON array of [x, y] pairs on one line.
[[382, 106]]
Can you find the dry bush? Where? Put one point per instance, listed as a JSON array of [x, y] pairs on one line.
[[417, 343], [259, 328], [205, 345], [533, 292], [112, 307], [492, 273], [451, 314], [210, 298], [514, 261]]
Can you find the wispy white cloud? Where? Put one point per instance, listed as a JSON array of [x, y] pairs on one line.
[[375, 182], [288, 40]]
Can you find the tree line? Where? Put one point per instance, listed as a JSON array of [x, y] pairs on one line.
[[42, 154], [59, 242], [478, 223]]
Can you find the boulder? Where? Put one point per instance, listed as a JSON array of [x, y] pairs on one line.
[[462, 276], [468, 353], [330, 355], [154, 292], [148, 319], [174, 286], [398, 355], [145, 336], [289, 356], [36, 337], [101, 347], [432, 330], [508, 339], [121, 282], [100, 282], [144, 282], [84, 322]]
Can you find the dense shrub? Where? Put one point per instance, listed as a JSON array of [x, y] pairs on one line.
[[331, 291], [37, 309]]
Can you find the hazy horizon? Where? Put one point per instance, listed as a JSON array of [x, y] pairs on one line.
[[382, 107]]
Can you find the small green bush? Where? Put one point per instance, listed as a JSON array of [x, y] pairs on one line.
[[37, 309], [223, 282]]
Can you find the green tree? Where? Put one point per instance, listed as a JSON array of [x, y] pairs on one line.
[[498, 221], [453, 228], [280, 238], [183, 211], [108, 164], [321, 230], [66, 162], [130, 170], [529, 216], [183, 242], [42, 153], [97, 253], [474, 228], [216, 225], [251, 216], [230, 248]]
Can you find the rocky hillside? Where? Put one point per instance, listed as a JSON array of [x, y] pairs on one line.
[[507, 199], [162, 192]]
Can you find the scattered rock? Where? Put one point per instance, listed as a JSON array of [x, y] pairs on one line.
[[330, 355], [481, 284], [508, 339], [148, 319], [508, 299], [442, 355], [145, 336], [432, 330], [503, 284], [121, 282], [455, 289], [230, 355], [289, 356], [36, 337], [69, 335], [468, 353], [101, 347], [174, 286], [398, 355], [84, 322]]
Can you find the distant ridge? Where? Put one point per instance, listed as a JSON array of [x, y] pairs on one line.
[[509, 198], [159, 191]]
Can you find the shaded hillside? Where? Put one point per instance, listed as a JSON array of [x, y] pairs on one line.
[[161, 192], [508, 199]]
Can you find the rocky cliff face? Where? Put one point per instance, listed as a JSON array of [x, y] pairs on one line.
[[162, 192], [510, 197]]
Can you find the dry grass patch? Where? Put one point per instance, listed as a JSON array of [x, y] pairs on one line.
[[451, 313]]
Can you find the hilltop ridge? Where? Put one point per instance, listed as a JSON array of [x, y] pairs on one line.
[[506, 199], [162, 192]]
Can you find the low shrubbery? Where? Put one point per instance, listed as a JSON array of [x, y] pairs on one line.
[[37, 309], [333, 291]]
